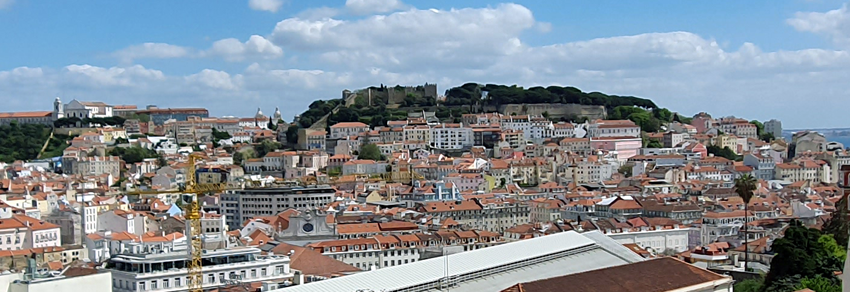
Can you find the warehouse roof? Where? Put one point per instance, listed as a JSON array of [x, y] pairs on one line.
[[569, 252]]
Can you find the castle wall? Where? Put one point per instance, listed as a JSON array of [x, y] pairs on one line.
[[556, 110]]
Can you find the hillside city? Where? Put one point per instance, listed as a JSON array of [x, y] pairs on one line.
[[483, 188]]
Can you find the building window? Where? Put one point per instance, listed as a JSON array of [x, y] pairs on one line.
[[153, 285]]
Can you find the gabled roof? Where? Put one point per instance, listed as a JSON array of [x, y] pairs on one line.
[[311, 262], [657, 275]]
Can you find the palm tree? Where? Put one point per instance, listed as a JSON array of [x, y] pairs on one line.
[[745, 187]]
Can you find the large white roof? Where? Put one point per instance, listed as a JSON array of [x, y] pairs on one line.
[[431, 270]]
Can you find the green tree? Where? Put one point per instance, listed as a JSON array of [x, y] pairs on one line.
[[662, 114], [645, 121], [133, 154], [837, 225], [292, 135], [654, 144], [370, 151], [271, 125], [160, 160], [759, 127], [724, 152], [266, 146], [240, 156], [767, 137], [800, 254], [820, 284], [22, 141], [625, 170], [749, 285], [220, 135], [831, 245], [745, 187]]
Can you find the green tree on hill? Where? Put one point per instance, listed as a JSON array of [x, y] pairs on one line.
[[801, 254], [370, 151], [724, 152], [133, 154], [23, 141]]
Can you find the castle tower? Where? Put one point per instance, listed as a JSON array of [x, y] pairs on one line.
[[58, 109]]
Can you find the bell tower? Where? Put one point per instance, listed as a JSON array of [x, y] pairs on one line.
[[58, 109]]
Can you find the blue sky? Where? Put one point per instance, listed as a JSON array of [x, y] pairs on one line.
[[754, 59]]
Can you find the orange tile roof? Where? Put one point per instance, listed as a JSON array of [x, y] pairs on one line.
[[41, 114]]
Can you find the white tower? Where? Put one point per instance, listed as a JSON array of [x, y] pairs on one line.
[[58, 109], [277, 116]]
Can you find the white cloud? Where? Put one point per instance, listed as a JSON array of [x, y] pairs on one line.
[[6, 3], [215, 79], [135, 75], [408, 39], [151, 51], [229, 49], [834, 24], [233, 50], [544, 27], [362, 7], [318, 13], [680, 70], [265, 5]]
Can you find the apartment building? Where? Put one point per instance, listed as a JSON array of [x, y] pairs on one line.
[[815, 171], [763, 167], [96, 165], [416, 133], [656, 235], [342, 130], [613, 128], [451, 136], [164, 270], [23, 232], [739, 127], [241, 205]]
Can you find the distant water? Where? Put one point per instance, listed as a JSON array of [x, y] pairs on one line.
[[840, 139]]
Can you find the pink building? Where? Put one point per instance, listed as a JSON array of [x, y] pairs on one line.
[[465, 181], [626, 147]]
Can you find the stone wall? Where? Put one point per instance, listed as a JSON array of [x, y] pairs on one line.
[[556, 110], [73, 131]]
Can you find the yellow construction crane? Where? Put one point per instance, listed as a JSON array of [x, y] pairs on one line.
[[192, 213]]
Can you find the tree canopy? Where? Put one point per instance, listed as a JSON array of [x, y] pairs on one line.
[[496, 95], [21, 141], [265, 147], [370, 151], [648, 121], [84, 122], [133, 154], [724, 152], [801, 254]]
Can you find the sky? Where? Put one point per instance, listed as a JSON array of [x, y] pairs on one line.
[[760, 59]]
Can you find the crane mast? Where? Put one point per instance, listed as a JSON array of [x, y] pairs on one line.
[[192, 213]]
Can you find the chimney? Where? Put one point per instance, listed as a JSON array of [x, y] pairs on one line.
[[298, 278]]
